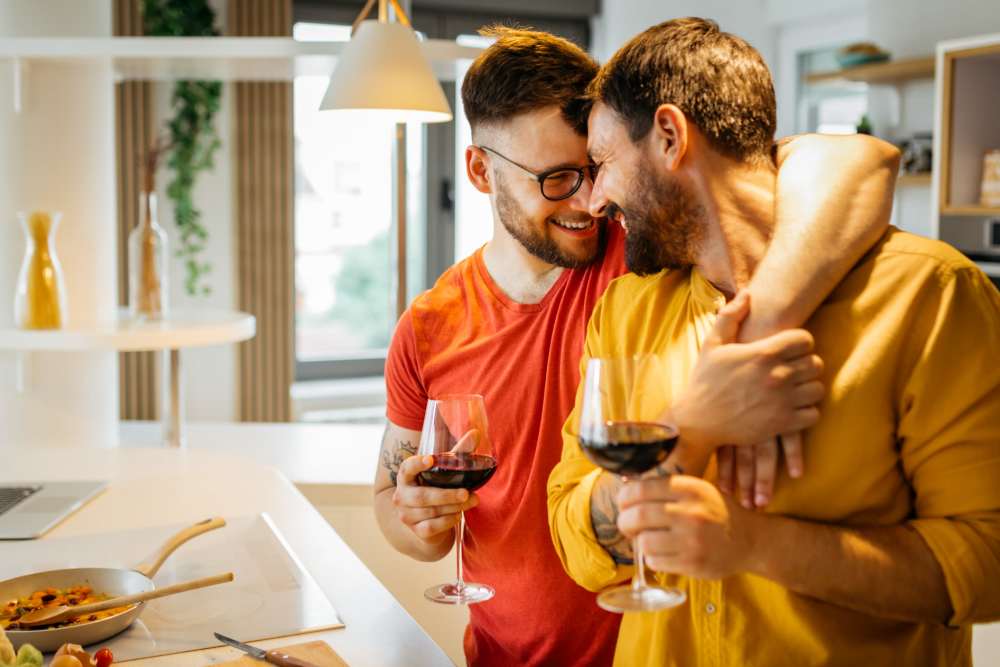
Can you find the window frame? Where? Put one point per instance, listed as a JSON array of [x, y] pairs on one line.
[[364, 364]]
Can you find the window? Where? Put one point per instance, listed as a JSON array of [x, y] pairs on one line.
[[344, 241]]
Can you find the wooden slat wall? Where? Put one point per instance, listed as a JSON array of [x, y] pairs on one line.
[[264, 221], [134, 123]]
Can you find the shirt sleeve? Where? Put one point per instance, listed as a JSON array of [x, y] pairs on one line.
[[406, 396], [569, 488], [949, 430]]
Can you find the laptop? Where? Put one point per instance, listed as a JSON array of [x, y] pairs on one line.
[[29, 510]]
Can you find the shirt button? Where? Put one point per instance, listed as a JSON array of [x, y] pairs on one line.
[[709, 608]]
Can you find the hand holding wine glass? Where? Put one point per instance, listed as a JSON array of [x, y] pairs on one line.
[[623, 430], [456, 439], [431, 513]]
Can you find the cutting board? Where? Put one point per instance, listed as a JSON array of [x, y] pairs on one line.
[[318, 653]]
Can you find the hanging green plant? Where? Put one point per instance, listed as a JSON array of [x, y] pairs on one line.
[[193, 138]]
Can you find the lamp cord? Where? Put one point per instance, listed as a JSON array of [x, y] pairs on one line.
[[383, 13], [365, 11]]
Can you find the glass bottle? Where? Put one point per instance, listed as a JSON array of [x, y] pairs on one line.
[[40, 299], [147, 264]]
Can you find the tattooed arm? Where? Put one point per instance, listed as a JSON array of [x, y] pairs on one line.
[[418, 521], [395, 450], [604, 517], [604, 512]]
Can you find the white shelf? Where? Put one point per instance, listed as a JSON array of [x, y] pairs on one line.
[[186, 328], [213, 58]]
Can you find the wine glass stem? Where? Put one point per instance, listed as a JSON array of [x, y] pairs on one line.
[[639, 578], [459, 534]]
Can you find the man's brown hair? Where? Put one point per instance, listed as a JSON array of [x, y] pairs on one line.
[[718, 80], [526, 70]]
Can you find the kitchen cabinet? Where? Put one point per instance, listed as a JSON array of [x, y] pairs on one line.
[[967, 118]]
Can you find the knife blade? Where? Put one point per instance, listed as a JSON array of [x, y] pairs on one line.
[[275, 657]]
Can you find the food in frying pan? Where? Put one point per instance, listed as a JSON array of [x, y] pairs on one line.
[[54, 597]]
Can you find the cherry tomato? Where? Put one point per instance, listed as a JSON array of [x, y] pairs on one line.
[[104, 657]]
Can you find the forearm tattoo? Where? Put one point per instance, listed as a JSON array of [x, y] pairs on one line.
[[394, 452], [604, 517]]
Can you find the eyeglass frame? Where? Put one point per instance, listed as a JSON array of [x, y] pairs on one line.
[[581, 173]]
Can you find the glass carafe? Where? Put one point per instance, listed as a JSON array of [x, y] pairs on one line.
[[40, 300], [147, 264]]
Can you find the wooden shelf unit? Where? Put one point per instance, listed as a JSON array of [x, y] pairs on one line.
[[889, 72]]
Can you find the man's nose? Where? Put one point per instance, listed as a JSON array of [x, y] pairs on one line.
[[598, 203], [580, 201]]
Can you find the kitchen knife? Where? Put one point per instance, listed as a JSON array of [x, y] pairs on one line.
[[274, 657]]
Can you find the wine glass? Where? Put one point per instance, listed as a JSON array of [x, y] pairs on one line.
[[456, 435], [624, 429]]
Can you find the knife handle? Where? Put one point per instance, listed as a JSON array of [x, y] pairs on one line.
[[282, 659]]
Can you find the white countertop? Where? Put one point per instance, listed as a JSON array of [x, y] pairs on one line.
[[336, 454], [162, 486]]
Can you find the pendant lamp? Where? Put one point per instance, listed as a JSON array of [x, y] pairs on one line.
[[382, 71]]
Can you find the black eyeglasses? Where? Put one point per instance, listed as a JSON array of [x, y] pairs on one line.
[[556, 184]]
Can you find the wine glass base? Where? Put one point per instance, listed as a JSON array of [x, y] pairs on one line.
[[459, 594], [651, 598]]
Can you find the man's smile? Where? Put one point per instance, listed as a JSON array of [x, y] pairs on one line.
[[579, 228]]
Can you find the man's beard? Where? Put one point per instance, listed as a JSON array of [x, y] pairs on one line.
[[665, 226], [543, 247]]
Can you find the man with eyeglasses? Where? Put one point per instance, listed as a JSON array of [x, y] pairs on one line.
[[509, 322]]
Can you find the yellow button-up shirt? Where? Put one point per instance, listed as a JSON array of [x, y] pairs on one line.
[[910, 433]]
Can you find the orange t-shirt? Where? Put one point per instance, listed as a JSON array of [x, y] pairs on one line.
[[465, 335]]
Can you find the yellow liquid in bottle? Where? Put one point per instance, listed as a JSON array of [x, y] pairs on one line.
[[43, 310]]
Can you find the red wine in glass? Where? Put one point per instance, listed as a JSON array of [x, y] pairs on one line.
[[459, 470], [629, 448], [623, 429], [456, 435]]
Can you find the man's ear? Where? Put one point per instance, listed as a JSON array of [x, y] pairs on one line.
[[670, 135], [477, 168]]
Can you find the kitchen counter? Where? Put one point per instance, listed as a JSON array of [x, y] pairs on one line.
[[332, 464], [338, 454], [159, 486]]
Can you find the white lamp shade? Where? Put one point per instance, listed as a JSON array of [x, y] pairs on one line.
[[383, 71]]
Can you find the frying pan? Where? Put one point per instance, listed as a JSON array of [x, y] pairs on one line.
[[110, 581]]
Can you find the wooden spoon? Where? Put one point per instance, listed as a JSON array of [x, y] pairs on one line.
[[151, 567], [59, 613]]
